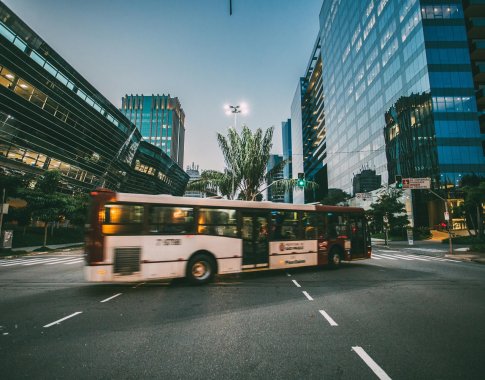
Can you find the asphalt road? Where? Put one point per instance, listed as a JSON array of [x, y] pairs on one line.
[[405, 314]]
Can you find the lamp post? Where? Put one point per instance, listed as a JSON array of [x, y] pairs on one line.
[[230, 109]]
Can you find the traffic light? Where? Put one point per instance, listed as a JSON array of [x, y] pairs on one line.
[[301, 180], [398, 181]]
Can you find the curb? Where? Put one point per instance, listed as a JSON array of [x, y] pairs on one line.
[[470, 258]]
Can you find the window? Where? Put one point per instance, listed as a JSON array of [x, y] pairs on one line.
[[313, 225], [285, 225], [4, 31], [337, 226], [38, 98], [23, 89], [6, 78], [121, 219], [171, 220], [221, 222]]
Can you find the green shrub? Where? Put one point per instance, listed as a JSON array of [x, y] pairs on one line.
[[32, 236]]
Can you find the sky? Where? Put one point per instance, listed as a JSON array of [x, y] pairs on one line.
[[190, 49]]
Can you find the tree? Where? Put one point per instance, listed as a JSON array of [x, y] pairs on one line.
[[44, 203], [474, 198], [388, 205], [335, 197], [246, 156], [212, 181]]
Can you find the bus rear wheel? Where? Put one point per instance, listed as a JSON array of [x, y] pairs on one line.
[[334, 259], [201, 269]]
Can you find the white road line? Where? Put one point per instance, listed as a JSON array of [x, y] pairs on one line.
[[383, 257], [308, 296], [63, 319], [110, 298], [74, 261], [137, 285], [40, 261], [289, 275], [387, 250], [374, 257], [371, 363], [398, 257], [58, 261], [328, 318], [296, 283], [414, 257]]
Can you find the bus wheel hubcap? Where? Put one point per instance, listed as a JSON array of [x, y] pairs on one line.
[[199, 270]]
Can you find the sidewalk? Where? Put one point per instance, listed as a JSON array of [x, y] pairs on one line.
[[58, 249], [460, 251]]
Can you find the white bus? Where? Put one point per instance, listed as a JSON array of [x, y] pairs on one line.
[[135, 237]]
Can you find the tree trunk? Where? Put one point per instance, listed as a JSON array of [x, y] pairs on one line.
[[45, 234], [479, 221]]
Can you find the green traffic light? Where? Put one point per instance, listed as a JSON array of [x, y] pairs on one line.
[[301, 183]]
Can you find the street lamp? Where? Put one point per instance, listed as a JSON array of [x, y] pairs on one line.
[[242, 109]]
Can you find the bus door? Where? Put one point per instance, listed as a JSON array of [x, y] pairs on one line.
[[255, 239], [357, 232]]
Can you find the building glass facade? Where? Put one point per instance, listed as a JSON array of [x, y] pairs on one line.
[[160, 120], [398, 85], [52, 118], [287, 156], [275, 194], [296, 142]]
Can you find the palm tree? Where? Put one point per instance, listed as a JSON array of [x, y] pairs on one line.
[[214, 182], [246, 156]]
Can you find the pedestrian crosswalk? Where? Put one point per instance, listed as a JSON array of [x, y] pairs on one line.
[[46, 260], [397, 255]]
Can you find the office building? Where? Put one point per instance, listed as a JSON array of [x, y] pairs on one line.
[[287, 156], [275, 194], [297, 142], [53, 118], [160, 120], [400, 93], [194, 174]]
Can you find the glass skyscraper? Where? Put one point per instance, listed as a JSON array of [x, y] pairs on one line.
[[160, 119], [399, 91], [401, 94]]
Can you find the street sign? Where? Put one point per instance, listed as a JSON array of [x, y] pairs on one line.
[[416, 183], [447, 215], [410, 237], [364, 196]]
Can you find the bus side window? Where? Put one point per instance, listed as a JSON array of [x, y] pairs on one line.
[[285, 225], [171, 220], [220, 222], [122, 219]]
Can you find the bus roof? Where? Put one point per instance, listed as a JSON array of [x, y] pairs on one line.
[[211, 202]]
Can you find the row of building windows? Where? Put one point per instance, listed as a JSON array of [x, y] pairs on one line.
[[41, 161], [454, 104], [441, 11], [30, 93]]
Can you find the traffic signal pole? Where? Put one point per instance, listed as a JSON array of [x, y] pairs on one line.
[[448, 224]]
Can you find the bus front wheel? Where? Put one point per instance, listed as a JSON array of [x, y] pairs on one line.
[[201, 269], [334, 259]]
